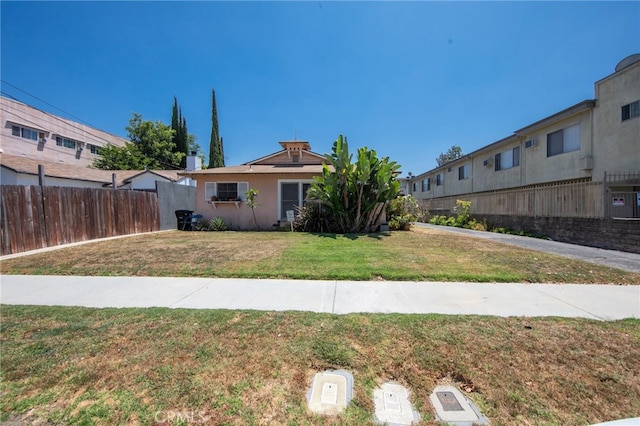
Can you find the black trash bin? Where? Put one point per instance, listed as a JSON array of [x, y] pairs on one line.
[[184, 219]]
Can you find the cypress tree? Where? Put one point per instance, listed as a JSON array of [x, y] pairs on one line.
[[180, 136], [216, 155]]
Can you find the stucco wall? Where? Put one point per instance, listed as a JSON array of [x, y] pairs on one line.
[[16, 113], [616, 142], [172, 197], [237, 214]]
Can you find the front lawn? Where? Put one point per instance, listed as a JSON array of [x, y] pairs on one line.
[[418, 255]]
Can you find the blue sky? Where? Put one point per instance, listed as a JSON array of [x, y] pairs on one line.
[[408, 79]]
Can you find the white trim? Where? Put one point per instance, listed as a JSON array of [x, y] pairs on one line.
[[208, 194], [239, 189], [280, 182]]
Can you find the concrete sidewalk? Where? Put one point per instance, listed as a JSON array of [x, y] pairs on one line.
[[602, 302]]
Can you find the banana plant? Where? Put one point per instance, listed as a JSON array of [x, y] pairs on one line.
[[355, 194]]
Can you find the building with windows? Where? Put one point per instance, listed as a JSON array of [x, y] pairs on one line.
[[591, 141], [574, 175], [65, 150], [38, 135], [282, 179]]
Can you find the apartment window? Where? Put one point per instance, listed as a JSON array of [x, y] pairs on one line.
[[225, 191], [94, 149], [507, 159], [414, 185], [25, 132], [564, 140], [426, 185], [292, 195], [440, 179], [464, 172], [66, 143], [631, 110]]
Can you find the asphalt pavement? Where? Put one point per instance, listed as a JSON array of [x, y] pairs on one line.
[[615, 259]]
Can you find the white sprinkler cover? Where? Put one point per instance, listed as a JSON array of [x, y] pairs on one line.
[[392, 405], [330, 392]]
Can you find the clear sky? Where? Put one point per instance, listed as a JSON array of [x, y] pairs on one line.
[[408, 79]]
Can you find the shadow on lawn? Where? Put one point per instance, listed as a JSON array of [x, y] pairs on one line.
[[375, 236]]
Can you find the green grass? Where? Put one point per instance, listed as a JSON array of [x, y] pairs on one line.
[[420, 255], [81, 366]]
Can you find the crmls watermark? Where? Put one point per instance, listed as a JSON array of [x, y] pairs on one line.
[[181, 417]]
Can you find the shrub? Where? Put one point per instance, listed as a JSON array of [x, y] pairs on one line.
[[402, 211], [217, 224], [402, 222]]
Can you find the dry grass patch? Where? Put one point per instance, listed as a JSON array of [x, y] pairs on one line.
[[133, 366], [419, 255]]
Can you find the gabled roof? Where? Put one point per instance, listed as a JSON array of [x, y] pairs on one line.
[[266, 158], [279, 162], [128, 175], [29, 166], [258, 169], [52, 169]]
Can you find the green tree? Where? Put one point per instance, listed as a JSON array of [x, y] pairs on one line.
[[216, 151], [113, 157], [179, 127], [154, 140], [452, 153], [151, 147], [355, 195]]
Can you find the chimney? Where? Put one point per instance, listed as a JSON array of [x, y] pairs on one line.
[[193, 162]]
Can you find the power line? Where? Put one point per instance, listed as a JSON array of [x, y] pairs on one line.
[[66, 122], [55, 117], [42, 100]]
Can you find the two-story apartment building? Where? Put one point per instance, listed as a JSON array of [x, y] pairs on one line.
[[38, 135], [581, 162], [580, 143]]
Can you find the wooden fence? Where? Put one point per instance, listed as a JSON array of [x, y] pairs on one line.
[[581, 199], [34, 217]]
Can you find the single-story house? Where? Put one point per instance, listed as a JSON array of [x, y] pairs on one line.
[[281, 178], [22, 170]]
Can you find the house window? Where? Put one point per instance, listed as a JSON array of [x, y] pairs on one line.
[[225, 191], [292, 195], [426, 185], [507, 159], [440, 179], [64, 142], [631, 110], [464, 172], [564, 140], [414, 185], [24, 132]]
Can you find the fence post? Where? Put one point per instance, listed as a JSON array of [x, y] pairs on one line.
[[40, 175]]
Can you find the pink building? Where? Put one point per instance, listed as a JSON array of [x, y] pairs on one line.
[[282, 179]]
